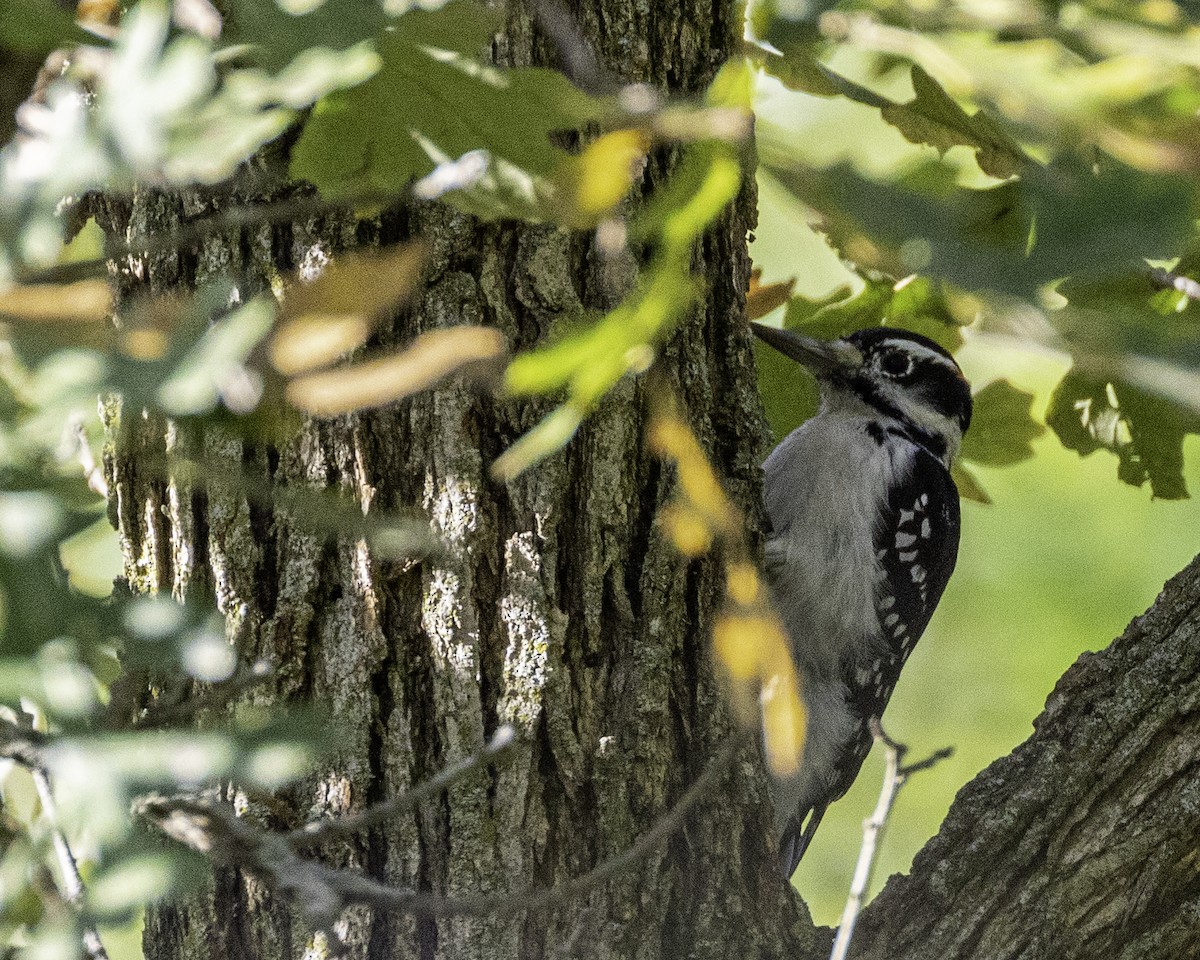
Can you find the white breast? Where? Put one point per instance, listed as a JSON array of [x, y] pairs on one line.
[[823, 486]]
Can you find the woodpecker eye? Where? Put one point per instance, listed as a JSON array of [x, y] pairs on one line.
[[895, 363]]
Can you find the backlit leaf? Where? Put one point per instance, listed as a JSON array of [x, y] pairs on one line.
[[762, 298], [932, 117], [428, 105], [1002, 427], [1089, 221], [1146, 433]]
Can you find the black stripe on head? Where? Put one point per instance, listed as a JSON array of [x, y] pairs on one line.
[[932, 371]]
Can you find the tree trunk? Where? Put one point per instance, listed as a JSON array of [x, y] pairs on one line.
[[1083, 842], [560, 608]]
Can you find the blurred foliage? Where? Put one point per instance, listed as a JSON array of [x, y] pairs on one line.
[[988, 174], [749, 639]]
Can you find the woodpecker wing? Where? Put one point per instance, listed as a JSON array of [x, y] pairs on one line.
[[916, 542]]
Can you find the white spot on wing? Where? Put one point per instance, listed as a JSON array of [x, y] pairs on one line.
[[907, 539]]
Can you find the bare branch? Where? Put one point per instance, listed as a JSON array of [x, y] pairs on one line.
[[321, 831], [894, 776], [322, 892], [27, 747], [531, 898], [159, 715], [23, 745], [72, 881]]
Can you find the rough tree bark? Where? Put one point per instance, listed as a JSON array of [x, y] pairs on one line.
[[561, 609], [1083, 842]]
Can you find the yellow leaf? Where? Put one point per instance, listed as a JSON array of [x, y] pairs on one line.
[[600, 176], [367, 283], [87, 301], [742, 583], [737, 644], [145, 343], [687, 530], [316, 340], [430, 359], [784, 722], [672, 438]]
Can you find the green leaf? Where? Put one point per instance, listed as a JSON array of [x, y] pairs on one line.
[[1089, 221], [786, 22], [119, 889], [1145, 432], [589, 362], [427, 106], [969, 487], [39, 26], [1111, 318], [279, 35], [935, 118], [932, 117], [1002, 426]]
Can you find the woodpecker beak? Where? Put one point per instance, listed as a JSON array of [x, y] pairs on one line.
[[820, 356]]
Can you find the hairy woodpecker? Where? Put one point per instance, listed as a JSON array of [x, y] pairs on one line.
[[864, 535]]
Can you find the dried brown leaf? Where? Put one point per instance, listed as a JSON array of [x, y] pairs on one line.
[[86, 301], [431, 358]]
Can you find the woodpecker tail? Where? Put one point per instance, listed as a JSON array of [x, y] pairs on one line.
[[796, 837]]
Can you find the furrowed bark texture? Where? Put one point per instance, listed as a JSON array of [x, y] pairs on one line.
[[1083, 842], [561, 609]]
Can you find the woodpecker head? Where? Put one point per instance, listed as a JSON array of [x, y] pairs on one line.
[[904, 378]]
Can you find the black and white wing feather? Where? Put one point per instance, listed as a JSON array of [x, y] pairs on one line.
[[916, 542]]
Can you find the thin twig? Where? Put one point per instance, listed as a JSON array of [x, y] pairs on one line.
[[894, 776], [321, 831], [23, 745], [196, 231], [26, 746], [532, 899], [72, 881], [157, 715], [323, 892]]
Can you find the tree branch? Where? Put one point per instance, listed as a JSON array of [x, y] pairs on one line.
[[322, 892], [321, 831], [895, 775], [1166, 280], [27, 747], [1081, 843]]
